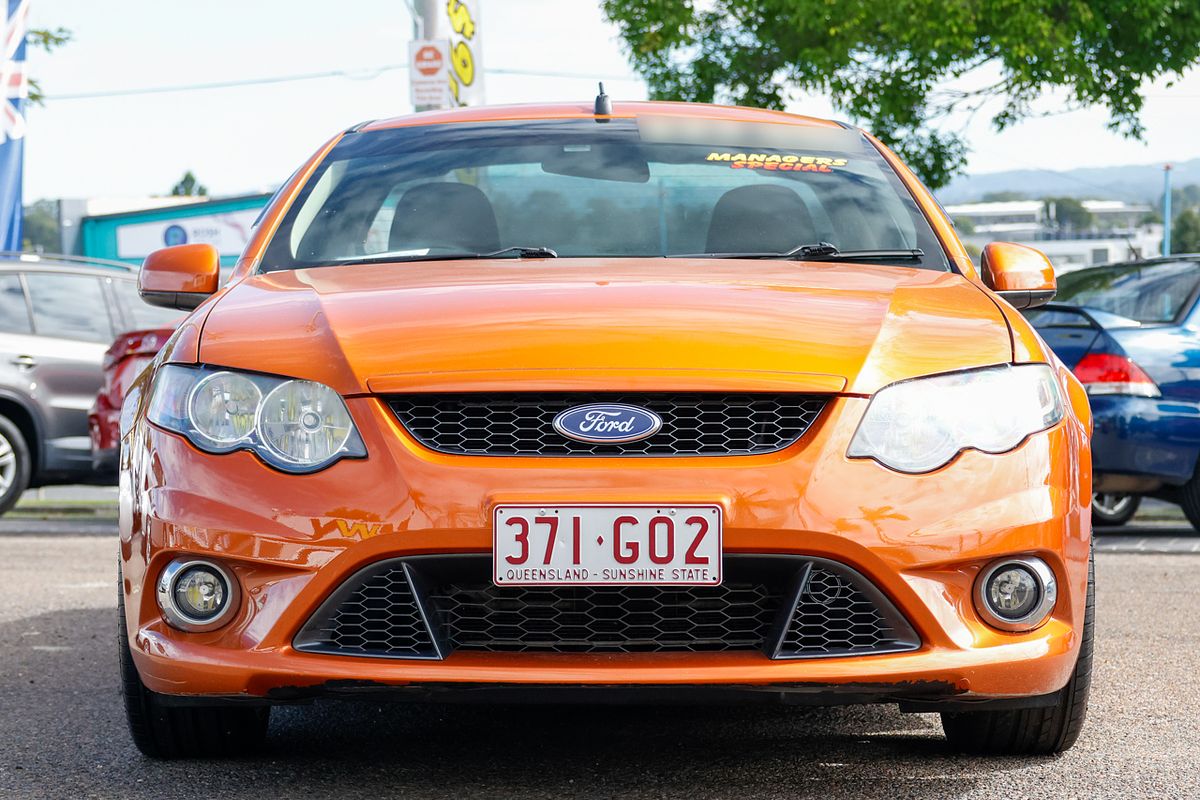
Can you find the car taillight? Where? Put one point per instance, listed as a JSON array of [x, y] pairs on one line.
[[1107, 373]]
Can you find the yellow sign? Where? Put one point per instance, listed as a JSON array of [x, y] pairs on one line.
[[465, 71], [777, 162]]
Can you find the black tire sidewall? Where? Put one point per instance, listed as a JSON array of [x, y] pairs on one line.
[[24, 464]]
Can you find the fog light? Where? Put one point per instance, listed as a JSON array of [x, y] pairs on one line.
[[196, 595], [1016, 594]]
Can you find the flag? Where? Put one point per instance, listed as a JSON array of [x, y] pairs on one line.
[[15, 85]]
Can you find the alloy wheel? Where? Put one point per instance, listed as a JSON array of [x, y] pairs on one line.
[[8, 464]]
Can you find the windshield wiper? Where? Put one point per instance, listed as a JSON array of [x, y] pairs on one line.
[[519, 251], [821, 251], [407, 255]]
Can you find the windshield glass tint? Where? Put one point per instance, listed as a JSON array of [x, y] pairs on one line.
[[616, 189], [1147, 293]]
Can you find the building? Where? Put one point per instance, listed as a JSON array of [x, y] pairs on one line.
[[1118, 231], [1013, 218], [132, 234]]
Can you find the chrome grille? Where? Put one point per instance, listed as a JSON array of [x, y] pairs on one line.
[[782, 606], [694, 424]]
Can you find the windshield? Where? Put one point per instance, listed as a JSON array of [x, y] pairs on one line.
[[1149, 293], [622, 188]]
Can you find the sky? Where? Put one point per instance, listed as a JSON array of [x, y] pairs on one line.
[[250, 138]]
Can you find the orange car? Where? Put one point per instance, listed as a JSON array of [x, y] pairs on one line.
[[648, 401]]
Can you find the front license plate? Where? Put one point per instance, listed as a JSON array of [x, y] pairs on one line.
[[656, 545]]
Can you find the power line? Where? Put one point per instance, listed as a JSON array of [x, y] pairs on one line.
[[360, 75]]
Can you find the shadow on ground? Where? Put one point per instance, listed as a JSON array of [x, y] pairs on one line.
[[64, 735]]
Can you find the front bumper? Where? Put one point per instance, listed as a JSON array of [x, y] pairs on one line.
[[292, 540]]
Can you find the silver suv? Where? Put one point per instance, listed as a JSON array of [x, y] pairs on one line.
[[58, 315]]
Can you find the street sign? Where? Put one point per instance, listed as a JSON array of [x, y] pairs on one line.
[[427, 61]]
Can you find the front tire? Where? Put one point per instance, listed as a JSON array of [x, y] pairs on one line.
[[1032, 731], [1189, 501], [1113, 510], [15, 464], [172, 731]]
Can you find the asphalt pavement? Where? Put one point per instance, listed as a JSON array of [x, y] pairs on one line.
[[62, 732]]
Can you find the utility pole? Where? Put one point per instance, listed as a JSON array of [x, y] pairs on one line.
[[425, 26], [1166, 244]]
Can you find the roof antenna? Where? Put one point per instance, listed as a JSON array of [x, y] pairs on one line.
[[603, 103]]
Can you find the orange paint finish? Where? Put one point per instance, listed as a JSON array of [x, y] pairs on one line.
[[500, 113], [1009, 267], [780, 321], [840, 330], [182, 269], [922, 539]]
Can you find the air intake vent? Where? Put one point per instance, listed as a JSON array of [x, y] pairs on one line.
[[780, 606]]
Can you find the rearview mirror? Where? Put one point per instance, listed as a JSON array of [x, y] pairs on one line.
[[1021, 275], [182, 276]]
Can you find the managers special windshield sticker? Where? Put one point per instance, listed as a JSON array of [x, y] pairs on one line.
[[774, 161]]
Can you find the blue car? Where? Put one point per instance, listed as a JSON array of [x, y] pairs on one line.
[[1131, 333]]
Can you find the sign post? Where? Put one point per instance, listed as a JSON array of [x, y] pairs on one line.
[[427, 60]]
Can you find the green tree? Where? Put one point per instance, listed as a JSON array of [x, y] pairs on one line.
[[188, 186], [1003, 196], [48, 39], [41, 229], [964, 225], [1184, 197], [1185, 232], [1069, 213], [893, 64]]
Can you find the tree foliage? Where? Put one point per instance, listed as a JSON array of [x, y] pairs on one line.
[[189, 186], [895, 65], [48, 39], [41, 228], [1069, 213], [1185, 232], [1004, 196]]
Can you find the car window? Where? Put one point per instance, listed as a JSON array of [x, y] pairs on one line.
[[139, 314], [14, 314], [69, 307], [623, 189], [1057, 318], [1149, 293]]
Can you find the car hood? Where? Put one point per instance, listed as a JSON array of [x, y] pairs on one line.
[[681, 324]]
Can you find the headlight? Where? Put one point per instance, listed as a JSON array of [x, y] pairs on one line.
[[920, 425], [293, 425]]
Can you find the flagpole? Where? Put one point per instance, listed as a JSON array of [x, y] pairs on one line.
[[15, 86]]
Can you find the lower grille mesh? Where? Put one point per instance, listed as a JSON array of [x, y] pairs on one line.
[[834, 617], [607, 619], [430, 606]]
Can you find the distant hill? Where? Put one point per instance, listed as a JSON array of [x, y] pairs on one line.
[[1138, 183]]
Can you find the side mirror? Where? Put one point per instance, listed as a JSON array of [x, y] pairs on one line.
[[182, 276], [1021, 275]]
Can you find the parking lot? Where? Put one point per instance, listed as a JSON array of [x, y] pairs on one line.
[[65, 736]]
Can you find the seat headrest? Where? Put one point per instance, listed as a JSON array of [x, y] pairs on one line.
[[454, 215], [759, 219]]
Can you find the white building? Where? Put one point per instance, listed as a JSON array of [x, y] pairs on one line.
[[1117, 234]]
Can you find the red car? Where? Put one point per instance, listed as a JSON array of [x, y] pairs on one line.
[[123, 362]]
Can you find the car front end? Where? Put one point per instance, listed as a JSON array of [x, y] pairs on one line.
[[545, 478]]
